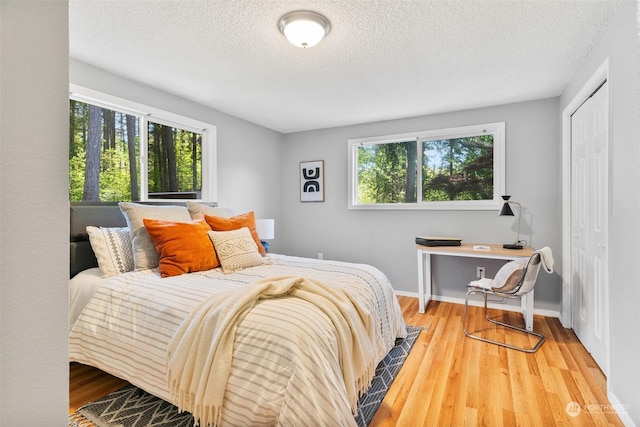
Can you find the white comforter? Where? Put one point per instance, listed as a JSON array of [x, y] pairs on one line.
[[126, 329]]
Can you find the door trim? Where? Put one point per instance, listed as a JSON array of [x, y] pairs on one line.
[[595, 81]]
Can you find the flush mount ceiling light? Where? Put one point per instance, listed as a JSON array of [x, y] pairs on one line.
[[304, 28]]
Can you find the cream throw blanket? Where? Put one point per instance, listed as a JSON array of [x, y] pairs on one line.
[[547, 258], [200, 353]]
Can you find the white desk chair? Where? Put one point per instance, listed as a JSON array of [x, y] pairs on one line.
[[513, 280]]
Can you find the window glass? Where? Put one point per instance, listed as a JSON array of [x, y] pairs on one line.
[[175, 162], [387, 172], [458, 168], [103, 154]]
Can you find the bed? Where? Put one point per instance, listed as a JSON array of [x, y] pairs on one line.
[[289, 365]]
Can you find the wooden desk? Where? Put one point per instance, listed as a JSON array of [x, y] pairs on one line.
[[466, 250]]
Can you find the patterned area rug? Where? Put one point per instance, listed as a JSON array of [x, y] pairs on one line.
[[132, 407]]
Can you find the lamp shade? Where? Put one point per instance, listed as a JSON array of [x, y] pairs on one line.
[[265, 229], [506, 209], [304, 28]]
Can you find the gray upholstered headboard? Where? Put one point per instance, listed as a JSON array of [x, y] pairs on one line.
[[98, 214]]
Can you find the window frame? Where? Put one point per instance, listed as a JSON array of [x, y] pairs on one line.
[[145, 113], [497, 129]]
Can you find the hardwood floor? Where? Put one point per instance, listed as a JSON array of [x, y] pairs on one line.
[[449, 379]]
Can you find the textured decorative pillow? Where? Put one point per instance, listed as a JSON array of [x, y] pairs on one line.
[[228, 224], [112, 246], [200, 208], [236, 249], [183, 247], [508, 277], [144, 252]]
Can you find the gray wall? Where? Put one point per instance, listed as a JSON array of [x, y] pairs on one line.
[[34, 214], [386, 238], [249, 156], [620, 43]]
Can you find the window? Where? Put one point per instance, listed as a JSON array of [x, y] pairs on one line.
[[120, 151], [459, 168]]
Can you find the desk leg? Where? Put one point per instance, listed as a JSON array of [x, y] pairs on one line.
[[420, 281], [424, 280], [526, 303]]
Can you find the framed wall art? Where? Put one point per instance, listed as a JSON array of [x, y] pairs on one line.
[[312, 181]]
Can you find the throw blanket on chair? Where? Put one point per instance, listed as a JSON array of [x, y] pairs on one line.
[[547, 259], [200, 353]]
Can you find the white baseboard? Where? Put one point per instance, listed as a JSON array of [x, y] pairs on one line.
[[498, 306], [620, 409], [406, 294]]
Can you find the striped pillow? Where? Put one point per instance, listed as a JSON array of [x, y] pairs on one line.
[[112, 246]]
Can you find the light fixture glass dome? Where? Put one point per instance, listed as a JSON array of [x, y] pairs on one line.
[[304, 28]]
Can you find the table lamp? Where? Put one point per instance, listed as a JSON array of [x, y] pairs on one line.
[[266, 231], [506, 211]]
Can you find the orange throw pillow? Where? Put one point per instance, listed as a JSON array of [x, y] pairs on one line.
[[218, 223], [182, 247]]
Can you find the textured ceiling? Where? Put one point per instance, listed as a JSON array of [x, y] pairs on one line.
[[383, 59]]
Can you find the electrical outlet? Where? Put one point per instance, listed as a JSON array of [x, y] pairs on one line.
[[480, 272], [320, 255]]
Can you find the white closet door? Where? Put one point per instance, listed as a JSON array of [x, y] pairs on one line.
[[590, 219], [600, 226], [580, 243]]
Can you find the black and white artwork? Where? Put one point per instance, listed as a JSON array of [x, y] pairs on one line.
[[312, 181]]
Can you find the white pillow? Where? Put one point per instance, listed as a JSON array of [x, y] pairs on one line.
[[112, 246], [236, 249], [196, 208], [508, 277], [144, 252]]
